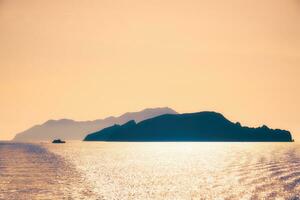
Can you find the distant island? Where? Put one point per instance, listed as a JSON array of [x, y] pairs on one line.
[[76, 130], [201, 126]]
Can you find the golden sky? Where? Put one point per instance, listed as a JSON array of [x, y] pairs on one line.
[[88, 59]]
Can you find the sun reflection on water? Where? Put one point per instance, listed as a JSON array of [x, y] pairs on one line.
[[188, 170], [100, 170]]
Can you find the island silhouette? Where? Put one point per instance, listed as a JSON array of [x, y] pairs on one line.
[[201, 126]]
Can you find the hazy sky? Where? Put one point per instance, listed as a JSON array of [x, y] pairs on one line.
[[88, 59]]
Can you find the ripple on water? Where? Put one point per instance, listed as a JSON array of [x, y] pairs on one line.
[[188, 170], [29, 171], [82, 170]]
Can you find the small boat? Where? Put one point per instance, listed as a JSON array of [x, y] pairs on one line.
[[58, 141]]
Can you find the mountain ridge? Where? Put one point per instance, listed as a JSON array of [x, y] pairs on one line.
[[69, 129]]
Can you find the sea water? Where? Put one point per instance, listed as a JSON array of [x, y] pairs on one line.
[[153, 170]]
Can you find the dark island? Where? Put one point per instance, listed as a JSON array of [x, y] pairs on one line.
[[202, 126]]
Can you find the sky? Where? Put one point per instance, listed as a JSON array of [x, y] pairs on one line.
[[91, 59]]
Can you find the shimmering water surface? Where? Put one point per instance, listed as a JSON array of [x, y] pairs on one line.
[[99, 170]]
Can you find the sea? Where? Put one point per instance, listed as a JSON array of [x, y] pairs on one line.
[[149, 170]]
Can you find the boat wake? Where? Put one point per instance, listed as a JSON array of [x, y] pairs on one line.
[[29, 171]]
